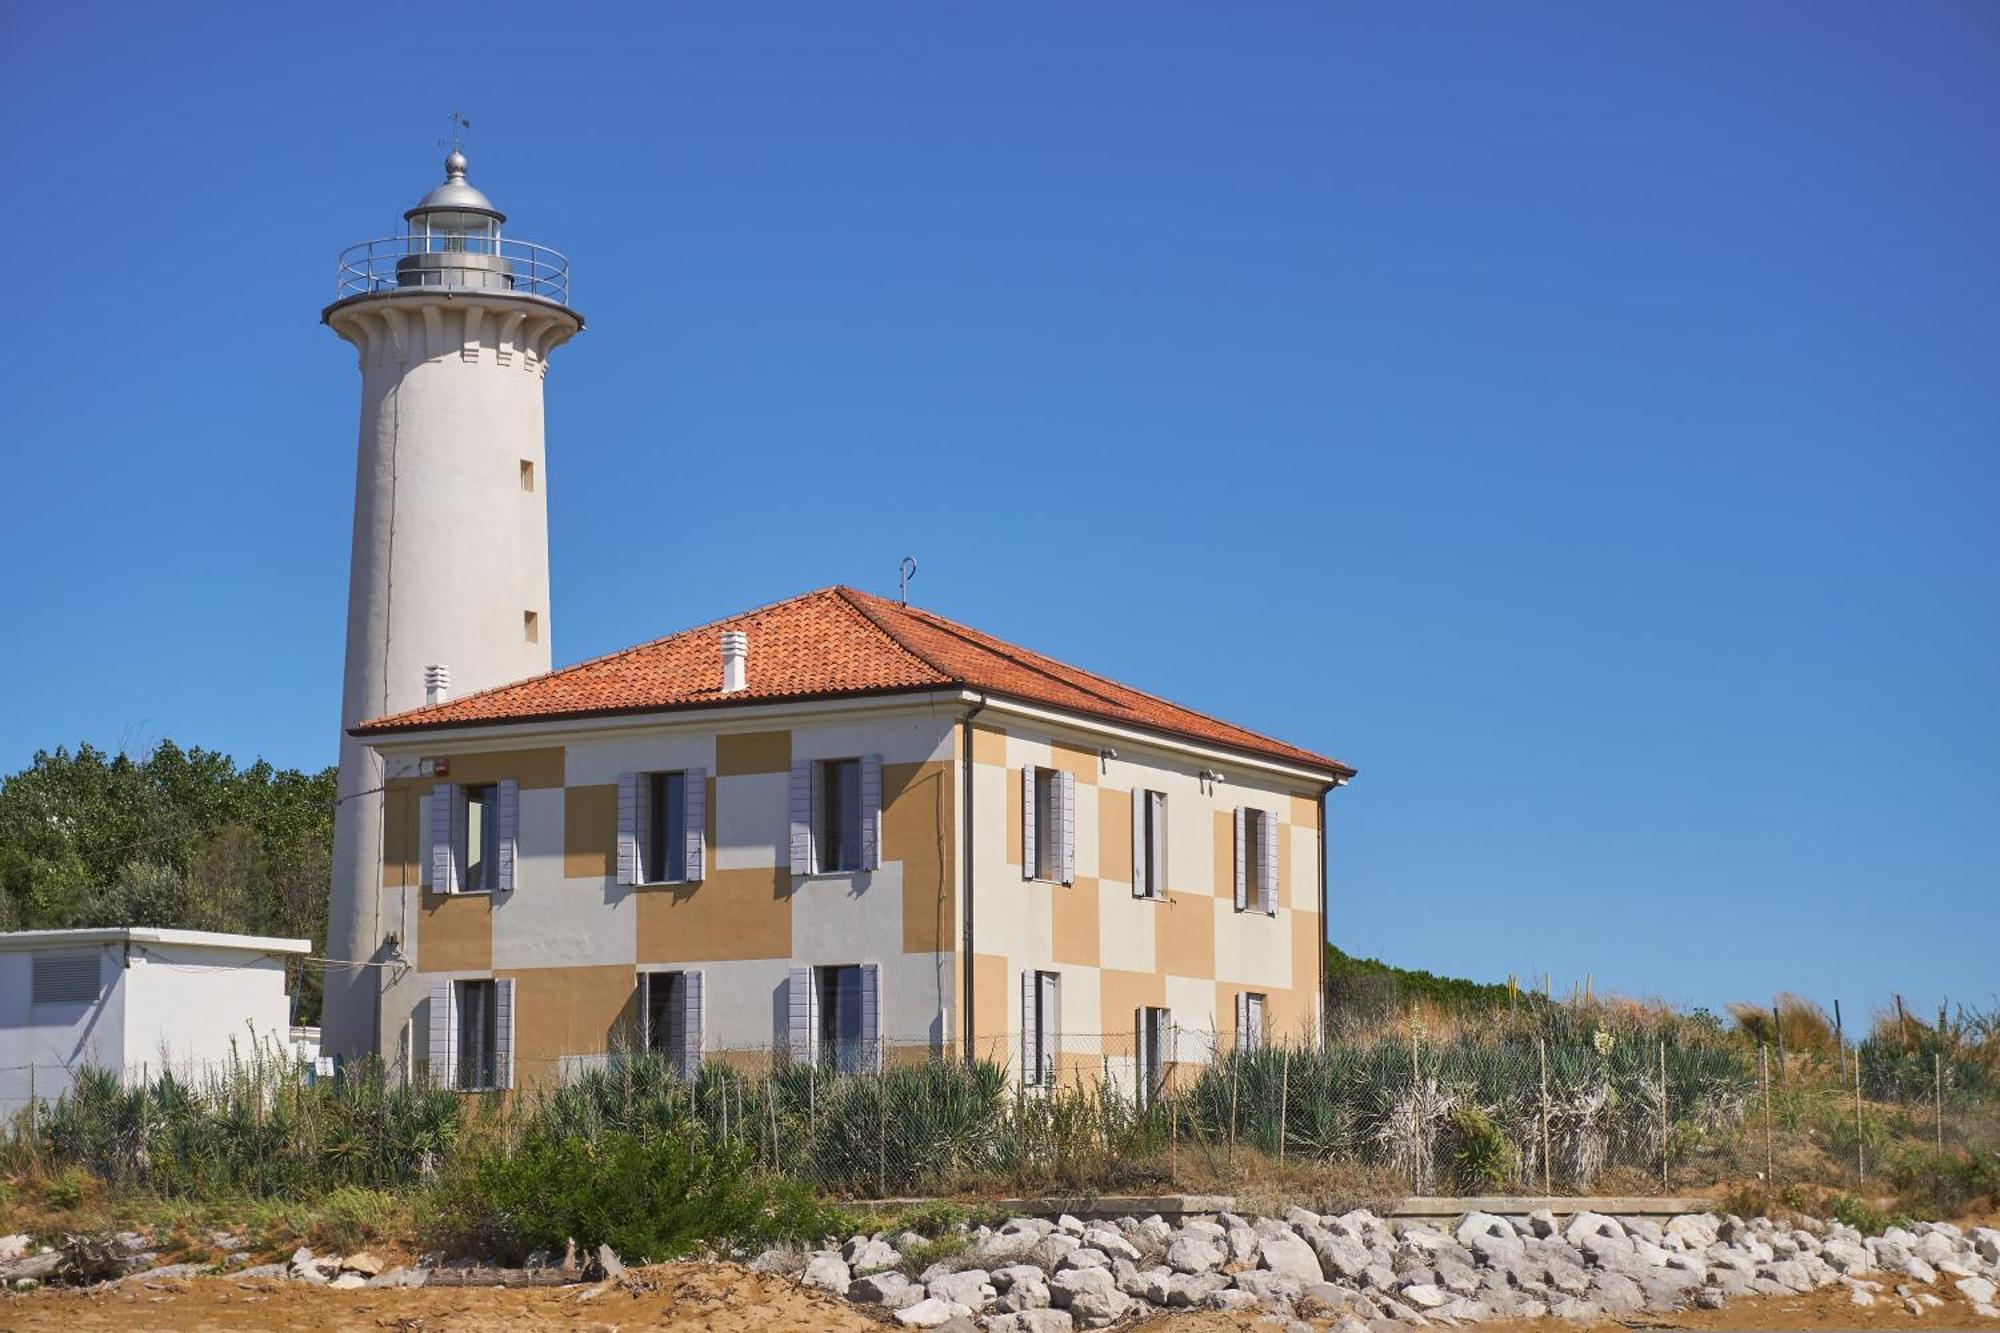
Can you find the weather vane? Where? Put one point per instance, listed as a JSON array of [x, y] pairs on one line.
[[456, 141]]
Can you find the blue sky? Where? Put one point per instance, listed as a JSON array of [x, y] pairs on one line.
[[1581, 418]]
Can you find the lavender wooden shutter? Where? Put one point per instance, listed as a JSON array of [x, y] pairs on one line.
[[1158, 885], [871, 811], [1243, 1020], [1031, 1046], [1242, 888], [1267, 861], [628, 828], [815, 814], [444, 1035], [1027, 821], [690, 1022], [645, 1012], [694, 810], [802, 857], [1066, 786], [509, 839], [426, 852], [871, 1015], [444, 875], [503, 1033], [1142, 1053], [803, 1011], [1141, 802]]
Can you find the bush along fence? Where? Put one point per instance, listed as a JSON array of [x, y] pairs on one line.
[[1090, 1112]]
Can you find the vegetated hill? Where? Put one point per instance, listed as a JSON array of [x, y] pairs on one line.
[[1366, 986], [172, 838]]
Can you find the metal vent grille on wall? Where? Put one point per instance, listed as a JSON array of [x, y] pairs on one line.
[[66, 978]]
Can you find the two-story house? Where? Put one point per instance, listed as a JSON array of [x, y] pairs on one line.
[[849, 831]]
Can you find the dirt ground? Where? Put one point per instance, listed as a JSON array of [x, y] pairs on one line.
[[722, 1298]]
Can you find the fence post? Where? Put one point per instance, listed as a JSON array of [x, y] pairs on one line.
[[1764, 1071], [1548, 1187], [1860, 1158], [1666, 1124], [1840, 1038], [1284, 1092], [1235, 1068], [1937, 1067], [1174, 1142], [881, 1137]]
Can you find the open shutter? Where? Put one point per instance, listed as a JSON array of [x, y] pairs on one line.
[[1066, 786], [1027, 821], [871, 811], [1031, 1046], [461, 849], [690, 1022], [628, 828], [1142, 1051], [444, 876], [509, 831], [1267, 862], [815, 814], [803, 1005], [1242, 889], [1141, 802], [1243, 1039], [694, 826], [444, 1034], [425, 841], [1158, 801], [645, 1012], [802, 854], [871, 1016], [503, 1033]]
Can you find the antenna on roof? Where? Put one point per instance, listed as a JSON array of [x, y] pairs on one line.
[[906, 569]]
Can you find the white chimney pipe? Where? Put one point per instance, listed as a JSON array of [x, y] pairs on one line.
[[735, 659], [437, 683]]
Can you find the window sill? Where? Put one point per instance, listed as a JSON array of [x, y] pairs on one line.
[[460, 893]]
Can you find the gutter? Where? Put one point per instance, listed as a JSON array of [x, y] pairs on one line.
[[965, 780]]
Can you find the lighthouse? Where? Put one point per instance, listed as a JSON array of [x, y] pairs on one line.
[[453, 322]]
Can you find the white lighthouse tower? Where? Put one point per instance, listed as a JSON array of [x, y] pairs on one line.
[[454, 323]]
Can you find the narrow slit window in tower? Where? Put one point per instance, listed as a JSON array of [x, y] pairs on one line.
[[531, 625], [527, 474]]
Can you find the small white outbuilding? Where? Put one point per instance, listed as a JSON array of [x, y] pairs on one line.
[[136, 1001]]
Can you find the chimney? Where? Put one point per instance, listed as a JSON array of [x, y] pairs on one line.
[[735, 659], [437, 683]]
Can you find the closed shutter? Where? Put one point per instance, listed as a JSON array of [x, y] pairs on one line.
[[503, 1033], [1267, 861], [694, 823], [1141, 802], [509, 831], [1243, 1041], [802, 830], [1255, 1012], [802, 1001], [690, 1023], [1027, 821], [1031, 1031], [444, 1034], [1048, 1021], [444, 875], [628, 828], [645, 1012], [1158, 800], [871, 1016], [1242, 889], [871, 811], [1066, 786]]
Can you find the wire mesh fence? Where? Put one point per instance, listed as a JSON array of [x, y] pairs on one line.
[[1187, 1109]]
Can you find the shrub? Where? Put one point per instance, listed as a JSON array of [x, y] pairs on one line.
[[351, 1217], [70, 1187], [1482, 1158], [648, 1197]]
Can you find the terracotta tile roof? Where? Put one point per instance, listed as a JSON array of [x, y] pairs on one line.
[[836, 641]]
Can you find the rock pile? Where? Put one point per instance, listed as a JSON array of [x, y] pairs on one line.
[[1361, 1272]]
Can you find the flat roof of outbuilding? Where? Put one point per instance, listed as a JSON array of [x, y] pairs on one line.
[[205, 939]]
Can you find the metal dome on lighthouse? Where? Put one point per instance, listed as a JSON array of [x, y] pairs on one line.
[[453, 238]]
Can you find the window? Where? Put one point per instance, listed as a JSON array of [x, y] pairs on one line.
[[527, 474], [1156, 1043], [663, 858], [481, 852], [1149, 844], [478, 1034], [842, 1031], [1249, 1021], [672, 1018], [1048, 815], [1256, 861], [839, 834], [531, 627], [65, 978], [1041, 1007]]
